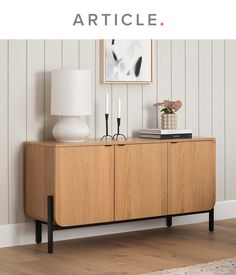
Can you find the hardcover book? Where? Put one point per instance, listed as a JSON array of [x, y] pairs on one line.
[[165, 131], [166, 136]]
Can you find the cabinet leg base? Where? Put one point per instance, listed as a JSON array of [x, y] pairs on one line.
[[38, 232], [169, 221], [50, 224], [211, 220]]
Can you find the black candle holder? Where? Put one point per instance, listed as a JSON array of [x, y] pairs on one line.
[[106, 136], [118, 134]]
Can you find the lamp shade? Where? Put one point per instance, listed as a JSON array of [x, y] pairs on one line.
[[71, 92]]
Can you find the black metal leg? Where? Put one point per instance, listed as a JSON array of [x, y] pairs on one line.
[[169, 221], [50, 224], [211, 220], [38, 232]]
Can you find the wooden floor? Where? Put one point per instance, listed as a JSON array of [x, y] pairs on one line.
[[129, 253]]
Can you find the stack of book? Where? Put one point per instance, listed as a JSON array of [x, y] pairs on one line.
[[165, 134]]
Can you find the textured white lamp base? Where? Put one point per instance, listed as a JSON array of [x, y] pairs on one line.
[[70, 129]]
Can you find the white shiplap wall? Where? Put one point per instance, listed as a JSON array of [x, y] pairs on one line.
[[200, 73]]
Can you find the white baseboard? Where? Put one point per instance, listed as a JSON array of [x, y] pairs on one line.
[[23, 233]]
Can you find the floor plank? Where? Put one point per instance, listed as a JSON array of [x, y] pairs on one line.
[[129, 253]]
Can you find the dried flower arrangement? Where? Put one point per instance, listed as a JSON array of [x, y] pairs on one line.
[[169, 107]]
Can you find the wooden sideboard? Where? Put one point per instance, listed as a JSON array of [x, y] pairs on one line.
[[70, 185]]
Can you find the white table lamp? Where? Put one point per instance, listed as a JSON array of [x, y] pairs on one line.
[[71, 98]]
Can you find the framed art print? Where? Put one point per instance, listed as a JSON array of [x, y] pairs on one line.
[[126, 61]]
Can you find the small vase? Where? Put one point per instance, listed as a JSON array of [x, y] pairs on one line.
[[168, 121]]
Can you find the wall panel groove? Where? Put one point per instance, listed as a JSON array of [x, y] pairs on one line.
[[53, 61], [26, 87], [101, 91], [156, 83], [87, 62], [205, 99], [134, 109], [178, 77], [8, 130], [218, 113], [149, 116], [224, 123], [119, 91], [230, 133], [17, 127], [35, 89], [192, 84], [163, 72], [212, 113], [185, 90]]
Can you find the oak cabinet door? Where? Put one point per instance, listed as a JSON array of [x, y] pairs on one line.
[[191, 176], [140, 181], [84, 185]]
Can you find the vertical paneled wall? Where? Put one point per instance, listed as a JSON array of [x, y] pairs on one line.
[[200, 73]]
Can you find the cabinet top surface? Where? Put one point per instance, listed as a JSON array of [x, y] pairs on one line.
[[93, 142]]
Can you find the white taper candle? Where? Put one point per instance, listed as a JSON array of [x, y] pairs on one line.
[[107, 104], [119, 108]]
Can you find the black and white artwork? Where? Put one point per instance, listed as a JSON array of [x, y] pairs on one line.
[[126, 61]]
